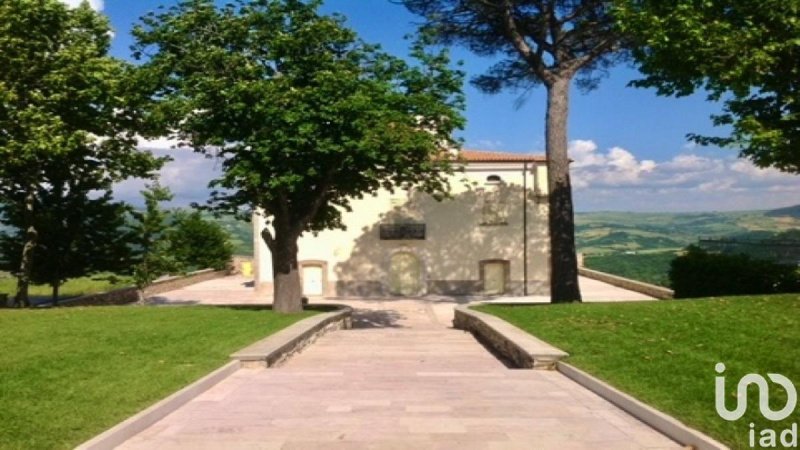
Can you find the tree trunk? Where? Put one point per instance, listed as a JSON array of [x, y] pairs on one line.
[[21, 298], [287, 292], [563, 259], [56, 284]]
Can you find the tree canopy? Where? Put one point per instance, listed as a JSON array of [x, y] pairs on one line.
[[78, 235], [198, 243], [743, 52], [303, 114], [63, 115]]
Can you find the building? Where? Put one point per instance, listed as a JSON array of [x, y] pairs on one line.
[[490, 238]]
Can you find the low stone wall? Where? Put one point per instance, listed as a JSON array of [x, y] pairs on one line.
[[520, 349], [129, 295], [626, 283], [181, 281], [122, 296], [276, 349]]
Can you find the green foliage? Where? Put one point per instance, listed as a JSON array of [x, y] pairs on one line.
[[304, 115], [650, 268], [698, 273], [65, 126], [742, 51], [198, 243], [535, 41], [60, 92], [75, 372], [150, 237], [77, 236], [308, 115], [239, 232], [664, 353]]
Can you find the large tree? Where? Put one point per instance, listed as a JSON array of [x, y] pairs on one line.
[[537, 42], [79, 234], [304, 115], [60, 111], [744, 52]]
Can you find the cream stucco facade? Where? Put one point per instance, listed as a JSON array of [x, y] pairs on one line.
[[407, 243]]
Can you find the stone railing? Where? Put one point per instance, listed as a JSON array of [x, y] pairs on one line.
[[652, 290], [129, 295]]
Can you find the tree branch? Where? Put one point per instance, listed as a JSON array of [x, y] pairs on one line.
[[319, 199], [533, 58]]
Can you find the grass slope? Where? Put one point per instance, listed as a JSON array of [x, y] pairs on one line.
[[650, 268], [68, 374], [71, 288], [664, 353]]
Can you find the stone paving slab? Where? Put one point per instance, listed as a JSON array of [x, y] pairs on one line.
[[402, 378]]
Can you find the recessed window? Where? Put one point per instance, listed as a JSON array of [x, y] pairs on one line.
[[494, 209], [493, 179]]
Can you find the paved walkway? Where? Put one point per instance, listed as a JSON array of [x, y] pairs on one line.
[[402, 378]]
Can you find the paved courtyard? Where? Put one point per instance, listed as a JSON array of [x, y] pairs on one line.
[[239, 290], [402, 378]]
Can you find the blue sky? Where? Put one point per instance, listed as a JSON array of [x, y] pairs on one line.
[[628, 144]]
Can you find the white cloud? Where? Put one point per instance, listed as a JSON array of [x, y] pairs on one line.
[[687, 181], [97, 5], [162, 143], [584, 154], [615, 168], [187, 175]]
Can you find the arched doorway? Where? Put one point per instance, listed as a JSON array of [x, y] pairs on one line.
[[405, 274]]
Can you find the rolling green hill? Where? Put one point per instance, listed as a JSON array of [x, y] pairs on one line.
[[613, 232]]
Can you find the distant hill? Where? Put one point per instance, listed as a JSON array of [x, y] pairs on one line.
[[789, 211], [614, 232]]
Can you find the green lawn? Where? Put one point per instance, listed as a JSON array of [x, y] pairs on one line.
[[72, 288], [664, 353], [68, 374]]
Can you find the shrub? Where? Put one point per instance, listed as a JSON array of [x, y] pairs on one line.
[[200, 244], [699, 273]]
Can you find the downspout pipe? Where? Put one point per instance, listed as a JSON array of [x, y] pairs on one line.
[[525, 228]]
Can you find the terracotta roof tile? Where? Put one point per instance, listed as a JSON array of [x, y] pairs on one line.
[[486, 156]]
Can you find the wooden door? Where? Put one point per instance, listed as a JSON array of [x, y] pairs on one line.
[[494, 278], [404, 274], [312, 280]]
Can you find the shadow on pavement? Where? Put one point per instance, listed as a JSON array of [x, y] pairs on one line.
[[367, 319]]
